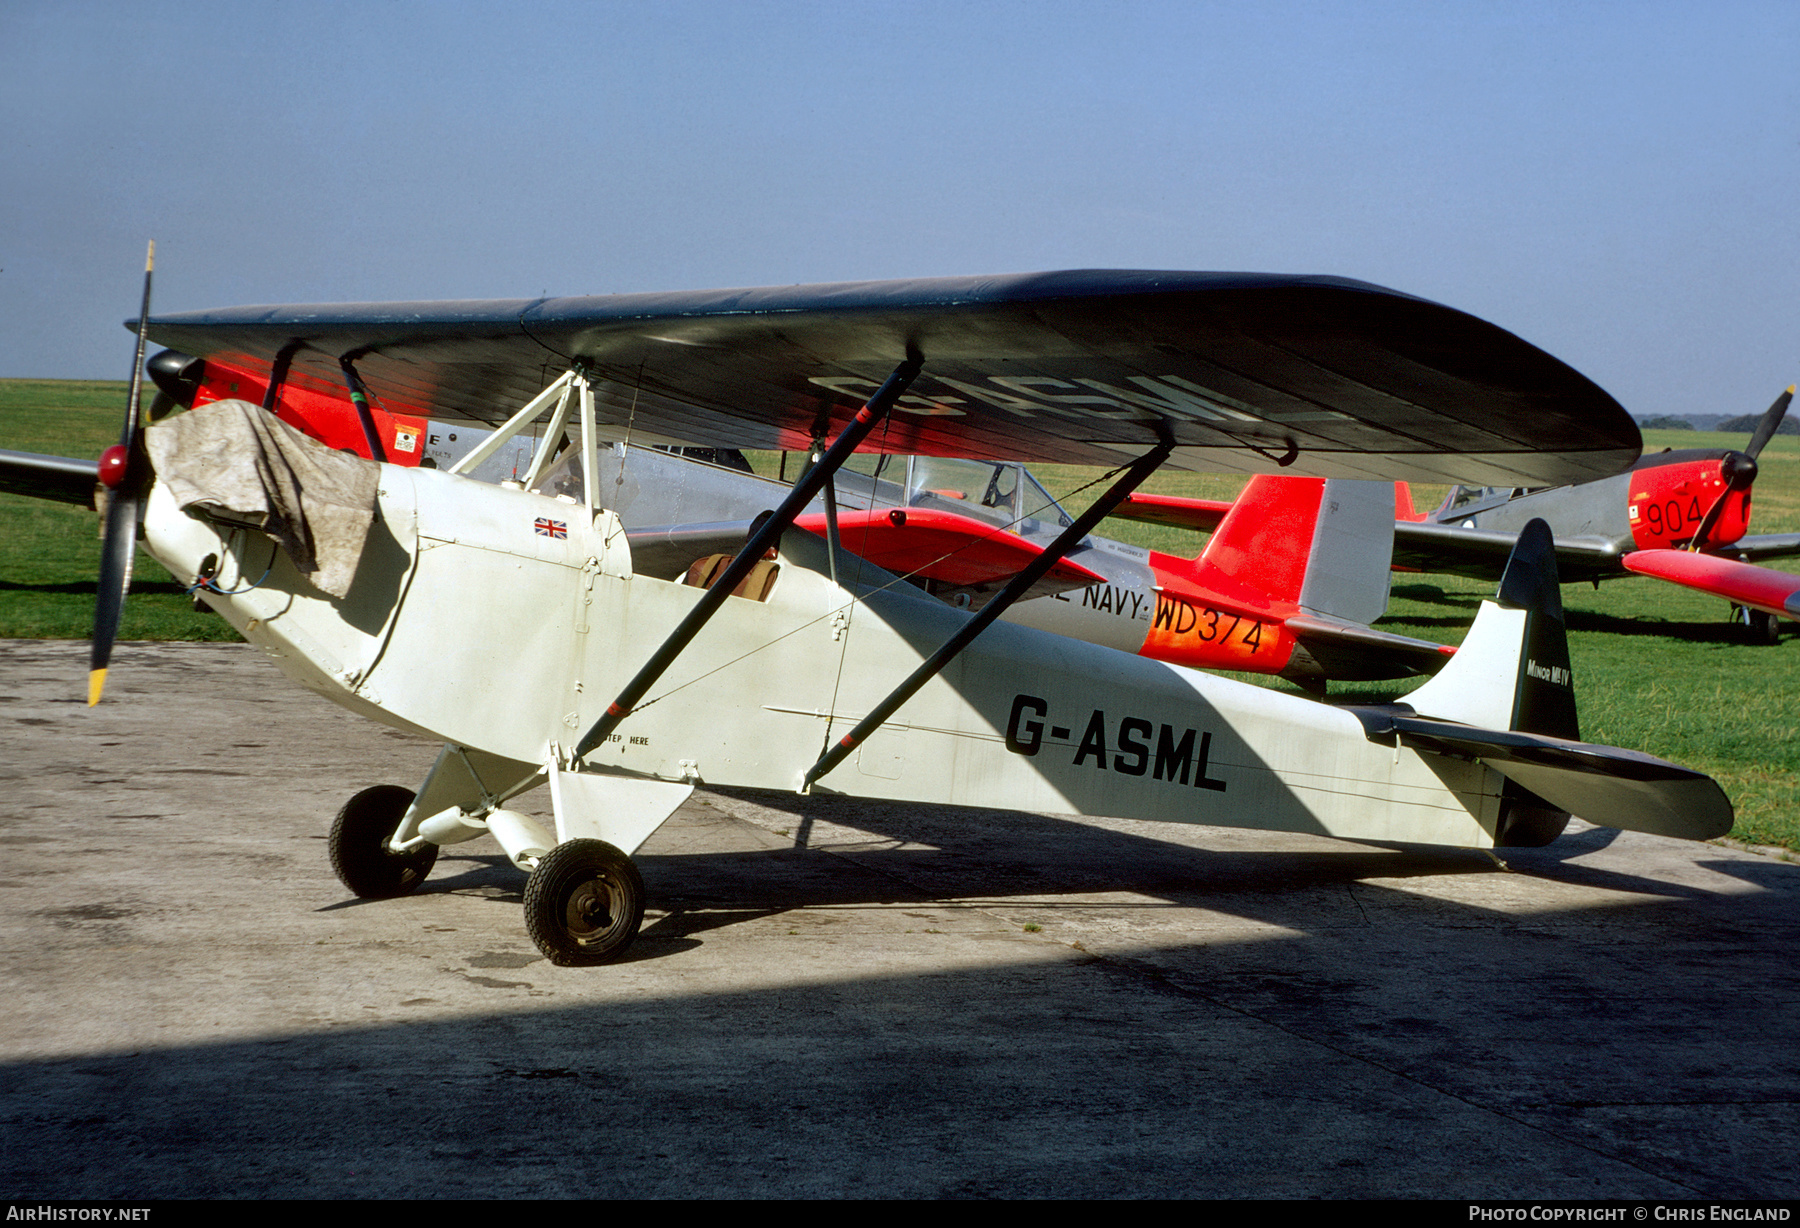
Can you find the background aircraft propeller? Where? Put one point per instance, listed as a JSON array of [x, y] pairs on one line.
[[1739, 468], [1771, 422], [125, 472]]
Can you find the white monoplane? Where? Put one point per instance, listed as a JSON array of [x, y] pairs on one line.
[[512, 626]]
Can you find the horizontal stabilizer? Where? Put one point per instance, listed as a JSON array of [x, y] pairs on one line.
[[1340, 646], [1761, 588], [1765, 546], [1508, 700], [1602, 784], [1481, 554], [1202, 515]]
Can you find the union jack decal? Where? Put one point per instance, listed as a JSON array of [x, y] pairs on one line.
[[551, 528]]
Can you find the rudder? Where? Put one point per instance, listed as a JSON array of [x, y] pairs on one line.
[[1325, 545], [1512, 672]]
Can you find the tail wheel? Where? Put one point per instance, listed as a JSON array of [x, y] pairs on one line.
[[359, 846], [1527, 821], [584, 903]]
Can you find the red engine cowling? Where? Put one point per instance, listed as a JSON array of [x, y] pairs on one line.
[[1668, 503]]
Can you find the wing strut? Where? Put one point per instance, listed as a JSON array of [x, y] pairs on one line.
[[359, 397], [867, 418], [284, 358], [831, 519], [1015, 588]]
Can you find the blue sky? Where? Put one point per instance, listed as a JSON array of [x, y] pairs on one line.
[[1615, 182]]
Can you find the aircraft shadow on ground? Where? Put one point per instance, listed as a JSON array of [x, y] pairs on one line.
[[1412, 1046], [1431, 594], [959, 858], [1380, 1032], [1075, 857], [1718, 631]]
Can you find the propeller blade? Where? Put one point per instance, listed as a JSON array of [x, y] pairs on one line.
[[123, 506], [1709, 520], [1771, 422], [116, 555], [1739, 468]]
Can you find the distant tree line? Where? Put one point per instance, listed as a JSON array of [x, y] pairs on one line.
[[1741, 424], [1747, 423]]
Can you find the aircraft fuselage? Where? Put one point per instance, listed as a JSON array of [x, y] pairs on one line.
[[1657, 504], [470, 623]]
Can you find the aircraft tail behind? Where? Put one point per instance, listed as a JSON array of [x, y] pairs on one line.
[[1343, 572], [1403, 503]]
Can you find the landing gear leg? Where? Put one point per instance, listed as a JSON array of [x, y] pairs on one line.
[[1762, 628]]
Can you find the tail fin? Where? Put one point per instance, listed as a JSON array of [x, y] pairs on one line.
[[1512, 671], [1511, 680], [1323, 544]]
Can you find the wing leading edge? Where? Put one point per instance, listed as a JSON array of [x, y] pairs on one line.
[[1242, 371], [61, 478], [1761, 588]]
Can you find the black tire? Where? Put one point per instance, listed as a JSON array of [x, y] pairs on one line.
[[359, 851], [1761, 627], [1524, 826], [584, 903]]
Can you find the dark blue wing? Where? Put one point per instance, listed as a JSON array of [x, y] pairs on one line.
[[1339, 377]]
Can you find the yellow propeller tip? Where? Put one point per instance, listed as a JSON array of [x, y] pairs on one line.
[[96, 684]]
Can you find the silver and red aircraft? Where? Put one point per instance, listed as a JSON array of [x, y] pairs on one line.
[[1695, 500], [511, 623]]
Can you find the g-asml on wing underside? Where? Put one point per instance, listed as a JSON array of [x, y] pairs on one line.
[[514, 627]]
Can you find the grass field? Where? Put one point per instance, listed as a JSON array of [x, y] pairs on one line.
[[1658, 668], [50, 552]]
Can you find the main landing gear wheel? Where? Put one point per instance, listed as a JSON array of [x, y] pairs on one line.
[[359, 851], [1761, 627], [584, 903]]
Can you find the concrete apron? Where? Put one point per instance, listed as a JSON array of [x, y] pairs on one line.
[[836, 998]]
